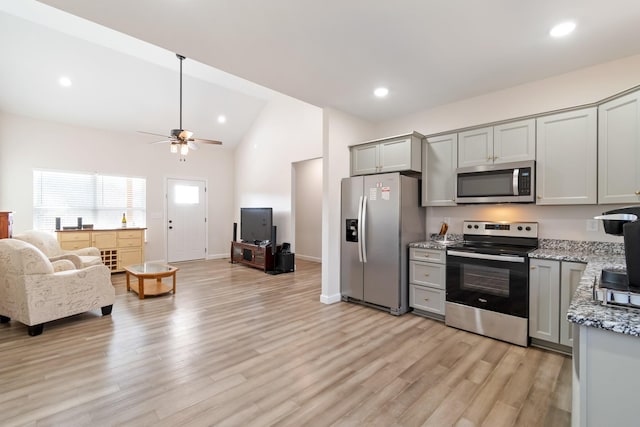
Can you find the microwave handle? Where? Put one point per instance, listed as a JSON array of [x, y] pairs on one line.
[[516, 175]]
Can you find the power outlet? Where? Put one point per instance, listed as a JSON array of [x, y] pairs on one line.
[[592, 225]]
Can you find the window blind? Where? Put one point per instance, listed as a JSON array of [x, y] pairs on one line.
[[98, 199]]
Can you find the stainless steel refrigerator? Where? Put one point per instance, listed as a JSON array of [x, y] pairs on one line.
[[381, 215]]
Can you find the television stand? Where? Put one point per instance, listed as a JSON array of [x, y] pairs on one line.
[[255, 256]]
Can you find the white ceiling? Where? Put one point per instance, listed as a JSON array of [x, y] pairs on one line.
[[329, 53]]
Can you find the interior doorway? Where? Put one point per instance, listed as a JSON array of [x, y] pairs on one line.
[[186, 220], [307, 209]]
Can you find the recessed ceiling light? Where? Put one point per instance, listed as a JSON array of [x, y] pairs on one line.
[[222, 119], [64, 81], [562, 29], [381, 92]]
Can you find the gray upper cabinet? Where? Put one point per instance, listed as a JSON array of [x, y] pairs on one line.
[[439, 157], [508, 142], [364, 159], [514, 142], [397, 154], [619, 150], [566, 158], [475, 147]]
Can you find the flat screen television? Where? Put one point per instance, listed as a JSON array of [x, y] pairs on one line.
[[255, 224]]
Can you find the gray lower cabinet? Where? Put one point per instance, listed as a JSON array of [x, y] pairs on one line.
[[427, 272], [570, 274], [551, 287]]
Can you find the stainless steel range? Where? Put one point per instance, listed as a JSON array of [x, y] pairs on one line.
[[488, 279]]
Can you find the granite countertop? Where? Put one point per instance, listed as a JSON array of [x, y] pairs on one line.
[[437, 242], [584, 310]]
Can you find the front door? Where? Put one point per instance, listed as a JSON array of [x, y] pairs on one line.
[[186, 220]]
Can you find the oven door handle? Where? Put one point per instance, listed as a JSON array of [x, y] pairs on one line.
[[505, 258]]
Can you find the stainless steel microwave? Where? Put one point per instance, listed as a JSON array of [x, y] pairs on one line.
[[501, 183]]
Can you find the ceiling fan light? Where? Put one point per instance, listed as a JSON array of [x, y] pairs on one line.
[[174, 148], [185, 134], [184, 149]]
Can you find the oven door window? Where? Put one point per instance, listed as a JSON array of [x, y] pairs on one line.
[[498, 286], [485, 280]]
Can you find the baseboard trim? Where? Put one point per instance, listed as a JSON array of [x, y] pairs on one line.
[[330, 299], [309, 258], [218, 256]]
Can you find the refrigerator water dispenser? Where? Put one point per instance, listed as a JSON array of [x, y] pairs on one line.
[[352, 230]]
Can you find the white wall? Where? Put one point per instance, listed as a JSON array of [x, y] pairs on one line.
[[286, 131], [339, 131], [307, 182], [27, 143], [583, 86]]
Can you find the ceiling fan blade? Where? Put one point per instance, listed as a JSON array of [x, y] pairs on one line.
[[206, 141], [192, 145], [161, 142], [155, 134]]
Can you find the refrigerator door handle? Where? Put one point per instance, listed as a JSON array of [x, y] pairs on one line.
[[360, 229], [364, 230]]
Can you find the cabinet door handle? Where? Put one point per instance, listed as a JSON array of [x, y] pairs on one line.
[[426, 299], [539, 197], [489, 158], [426, 274], [533, 268], [637, 193], [495, 158]]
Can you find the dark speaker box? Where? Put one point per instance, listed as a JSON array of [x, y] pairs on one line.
[[285, 262], [274, 239], [235, 231]]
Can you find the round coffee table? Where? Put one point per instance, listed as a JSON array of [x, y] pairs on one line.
[[150, 270]]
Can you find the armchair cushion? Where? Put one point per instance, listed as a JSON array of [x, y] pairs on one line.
[[63, 265], [48, 244], [32, 292]]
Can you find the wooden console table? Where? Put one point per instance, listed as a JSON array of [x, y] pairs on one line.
[[118, 247], [252, 255], [6, 225]]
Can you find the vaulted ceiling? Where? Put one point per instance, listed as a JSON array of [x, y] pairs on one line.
[[327, 53]]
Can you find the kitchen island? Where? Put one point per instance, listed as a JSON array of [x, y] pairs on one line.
[[606, 348]]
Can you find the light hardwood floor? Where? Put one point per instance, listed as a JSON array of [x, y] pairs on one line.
[[236, 346]]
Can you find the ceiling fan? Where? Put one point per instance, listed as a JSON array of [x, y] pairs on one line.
[[182, 140]]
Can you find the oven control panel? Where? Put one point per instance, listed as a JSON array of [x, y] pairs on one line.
[[500, 228]]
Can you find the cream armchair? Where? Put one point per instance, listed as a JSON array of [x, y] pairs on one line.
[[33, 292], [48, 244]]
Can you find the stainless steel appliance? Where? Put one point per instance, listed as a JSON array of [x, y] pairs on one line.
[[501, 183], [488, 280], [381, 214]]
